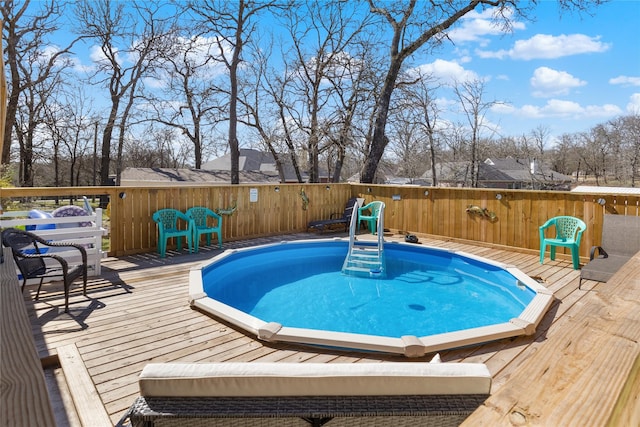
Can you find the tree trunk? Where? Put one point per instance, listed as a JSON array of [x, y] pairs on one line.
[[379, 140]]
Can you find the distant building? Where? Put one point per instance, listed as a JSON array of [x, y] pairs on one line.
[[254, 167], [594, 189], [259, 161], [507, 173], [150, 177], [524, 174]]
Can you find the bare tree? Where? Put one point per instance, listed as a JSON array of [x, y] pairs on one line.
[[321, 34], [455, 137], [70, 127], [354, 79], [415, 24], [407, 145], [32, 72], [127, 56], [156, 149], [188, 98], [419, 100], [232, 24], [565, 155], [629, 131], [257, 93], [540, 136], [593, 153], [471, 94]]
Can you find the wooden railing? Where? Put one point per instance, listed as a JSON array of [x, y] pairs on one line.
[[25, 399], [508, 218]]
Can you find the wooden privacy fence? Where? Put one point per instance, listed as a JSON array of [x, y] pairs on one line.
[[502, 217]]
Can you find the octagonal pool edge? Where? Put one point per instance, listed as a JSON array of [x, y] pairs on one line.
[[409, 346]]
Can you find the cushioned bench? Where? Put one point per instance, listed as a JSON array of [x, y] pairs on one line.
[[303, 394]]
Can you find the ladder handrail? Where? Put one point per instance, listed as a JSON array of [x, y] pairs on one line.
[[380, 230], [355, 256], [352, 227]]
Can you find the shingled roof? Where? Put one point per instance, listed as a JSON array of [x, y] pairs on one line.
[[501, 173], [167, 176], [255, 160]]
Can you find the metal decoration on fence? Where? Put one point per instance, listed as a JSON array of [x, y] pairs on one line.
[[305, 199], [481, 212], [227, 211]]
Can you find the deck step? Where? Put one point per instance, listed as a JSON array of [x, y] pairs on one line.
[[89, 406]]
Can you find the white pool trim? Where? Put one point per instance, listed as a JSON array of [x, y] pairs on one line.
[[410, 346]]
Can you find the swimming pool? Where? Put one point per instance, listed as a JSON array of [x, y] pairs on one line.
[[430, 299]]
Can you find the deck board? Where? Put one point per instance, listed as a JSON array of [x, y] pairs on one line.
[[138, 312], [576, 375]]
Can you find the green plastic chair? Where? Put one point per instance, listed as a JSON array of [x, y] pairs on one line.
[[202, 225], [371, 218], [168, 221], [568, 232]]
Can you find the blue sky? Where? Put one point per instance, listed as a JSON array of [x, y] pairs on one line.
[[565, 72]]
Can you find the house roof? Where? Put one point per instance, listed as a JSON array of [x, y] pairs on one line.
[[525, 170], [250, 160], [607, 190], [451, 172], [505, 171], [164, 176], [255, 160]]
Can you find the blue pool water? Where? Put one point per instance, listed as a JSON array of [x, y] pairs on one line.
[[425, 292]]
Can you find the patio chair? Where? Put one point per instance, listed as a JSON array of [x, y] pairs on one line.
[[568, 232], [371, 218], [168, 221], [620, 241], [31, 253], [335, 219], [200, 215]]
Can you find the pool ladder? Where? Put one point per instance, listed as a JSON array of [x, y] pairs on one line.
[[365, 259]]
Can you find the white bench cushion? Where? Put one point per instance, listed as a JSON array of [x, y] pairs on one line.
[[312, 379]]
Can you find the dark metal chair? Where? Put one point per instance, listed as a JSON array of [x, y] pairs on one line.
[[339, 219], [37, 259], [620, 241]]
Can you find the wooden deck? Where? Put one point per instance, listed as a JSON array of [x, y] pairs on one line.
[[137, 312]]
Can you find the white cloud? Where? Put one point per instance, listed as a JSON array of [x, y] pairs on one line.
[[548, 82], [79, 67], [447, 71], [625, 81], [633, 106], [49, 51], [546, 46], [96, 55], [474, 25], [503, 108], [604, 111], [562, 109]]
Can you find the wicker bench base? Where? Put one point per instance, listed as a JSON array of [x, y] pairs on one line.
[[332, 411]]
